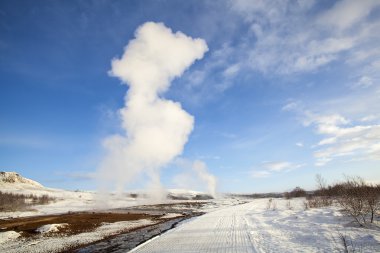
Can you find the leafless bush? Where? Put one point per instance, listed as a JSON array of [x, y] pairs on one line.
[[19, 202], [295, 193], [345, 244], [359, 199], [12, 202], [318, 201]]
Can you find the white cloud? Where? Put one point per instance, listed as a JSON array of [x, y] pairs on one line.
[[286, 38], [231, 70], [347, 13], [369, 118], [155, 129], [364, 82], [260, 174], [270, 168], [280, 166], [362, 141], [299, 144], [341, 137]]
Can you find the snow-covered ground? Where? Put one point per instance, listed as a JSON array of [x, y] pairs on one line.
[[74, 201], [227, 226], [64, 201], [252, 227], [11, 242]]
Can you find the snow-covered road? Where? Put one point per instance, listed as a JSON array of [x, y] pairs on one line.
[[224, 230], [253, 227]]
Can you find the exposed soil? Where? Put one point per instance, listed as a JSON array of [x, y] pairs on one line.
[[77, 222], [165, 217], [126, 241]]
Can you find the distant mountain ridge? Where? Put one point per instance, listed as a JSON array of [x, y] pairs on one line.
[[15, 178]]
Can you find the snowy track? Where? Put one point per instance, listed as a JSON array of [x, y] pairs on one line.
[[220, 231], [252, 227]]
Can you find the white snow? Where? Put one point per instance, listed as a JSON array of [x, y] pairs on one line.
[[226, 226], [65, 201], [57, 244], [252, 227], [8, 236], [171, 215], [15, 178], [51, 228]]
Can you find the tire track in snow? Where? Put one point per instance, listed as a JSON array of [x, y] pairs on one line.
[[223, 231]]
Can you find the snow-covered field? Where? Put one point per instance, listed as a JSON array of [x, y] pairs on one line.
[[251, 227], [229, 225]]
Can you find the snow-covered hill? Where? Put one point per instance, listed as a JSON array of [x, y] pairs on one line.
[[16, 180]]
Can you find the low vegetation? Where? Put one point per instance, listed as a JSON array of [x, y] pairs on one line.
[[357, 198], [18, 202]]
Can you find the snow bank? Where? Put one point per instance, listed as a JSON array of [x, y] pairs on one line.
[[49, 228], [9, 235]]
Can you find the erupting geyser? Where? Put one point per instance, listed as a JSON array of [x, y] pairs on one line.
[[155, 129]]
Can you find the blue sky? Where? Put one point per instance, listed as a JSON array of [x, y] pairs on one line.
[[286, 90]]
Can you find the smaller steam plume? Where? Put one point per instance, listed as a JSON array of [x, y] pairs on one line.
[[195, 176], [155, 129]]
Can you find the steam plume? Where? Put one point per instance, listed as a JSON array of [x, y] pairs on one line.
[[195, 175], [155, 129], [201, 170]]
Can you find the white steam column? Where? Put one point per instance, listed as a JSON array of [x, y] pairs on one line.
[[156, 129]]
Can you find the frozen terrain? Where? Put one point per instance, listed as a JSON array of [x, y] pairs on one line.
[[229, 225], [74, 201], [252, 227]]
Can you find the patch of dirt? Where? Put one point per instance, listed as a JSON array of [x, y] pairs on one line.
[[78, 222]]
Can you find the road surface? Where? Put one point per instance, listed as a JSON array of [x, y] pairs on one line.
[[224, 230]]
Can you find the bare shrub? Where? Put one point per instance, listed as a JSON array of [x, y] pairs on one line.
[[12, 202], [19, 202], [322, 197], [345, 244], [295, 193], [359, 199], [372, 199]]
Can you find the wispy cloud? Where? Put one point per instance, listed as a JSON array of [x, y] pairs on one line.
[[260, 174], [280, 166], [283, 37], [347, 13], [341, 137], [270, 168]]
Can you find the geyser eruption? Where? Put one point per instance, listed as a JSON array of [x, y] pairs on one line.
[[200, 169], [155, 129], [195, 175]]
